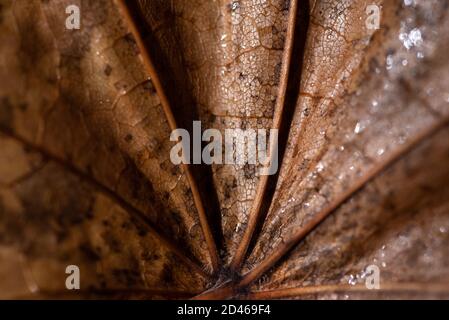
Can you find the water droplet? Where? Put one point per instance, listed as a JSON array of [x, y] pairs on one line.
[[380, 151], [237, 227], [384, 265], [404, 62], [443, 229], [352, 280], [412, 39], [312, 175], [358, 128], [363, 274]]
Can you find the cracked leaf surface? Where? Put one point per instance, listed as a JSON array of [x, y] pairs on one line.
[[85, 170]]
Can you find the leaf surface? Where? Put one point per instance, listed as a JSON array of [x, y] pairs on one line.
[[85, 170]]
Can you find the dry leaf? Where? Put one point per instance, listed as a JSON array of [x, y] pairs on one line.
[[85, 171]]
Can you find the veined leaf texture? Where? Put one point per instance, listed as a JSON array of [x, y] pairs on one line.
[[86, 177]]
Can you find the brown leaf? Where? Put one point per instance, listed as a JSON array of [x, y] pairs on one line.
[[85, 171]]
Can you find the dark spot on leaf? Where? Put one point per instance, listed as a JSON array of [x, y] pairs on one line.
[[128, 137], [108, 70], [249, 170]]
